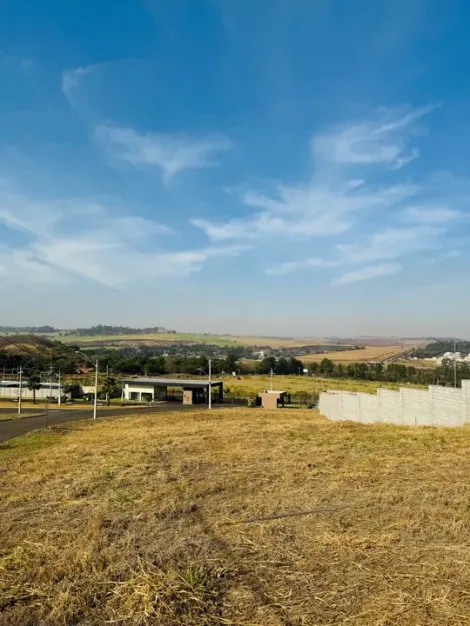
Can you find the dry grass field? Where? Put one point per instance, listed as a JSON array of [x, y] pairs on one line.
[[369, 353], [247, 385], [235, 517]]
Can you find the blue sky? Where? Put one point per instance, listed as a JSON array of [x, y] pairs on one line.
[[285, 167]]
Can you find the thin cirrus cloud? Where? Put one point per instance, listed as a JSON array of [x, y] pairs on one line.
[[380, 140], [169, 153], [392, 243], [343, 188], [431, 215], [295, 266], [74, 238], [72, 78], [314, 210], [366, 273], [353, 182]]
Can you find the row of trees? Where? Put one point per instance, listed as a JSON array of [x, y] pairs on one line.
[[145, 362], [392, 372], [27, 329], [103, 330], [438, 348]]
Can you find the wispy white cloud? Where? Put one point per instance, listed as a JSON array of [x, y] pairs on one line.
[[22, 266], [391, 243], [73, 77], [170, 153], [376, 141], [295, 266], [371, 271], [336, 201], [431, 215], [388, 244], [75, 237], [314, 210], [442, 257]]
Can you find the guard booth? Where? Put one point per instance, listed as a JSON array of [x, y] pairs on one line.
[[273, 399], [193, 391]]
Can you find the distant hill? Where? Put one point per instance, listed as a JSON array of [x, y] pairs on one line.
[[44, 330], [27, 343]]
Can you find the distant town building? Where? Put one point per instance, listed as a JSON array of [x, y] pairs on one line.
[[451, 356]]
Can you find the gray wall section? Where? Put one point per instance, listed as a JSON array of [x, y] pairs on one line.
[[466, 390], [351, 408], [416, 407], [368, 405], [436, 406], [448, 406], [390, 406]]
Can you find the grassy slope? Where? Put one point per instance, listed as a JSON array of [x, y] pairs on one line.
[[140, 521]]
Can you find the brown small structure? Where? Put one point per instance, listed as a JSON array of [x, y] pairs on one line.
[[272, 399]]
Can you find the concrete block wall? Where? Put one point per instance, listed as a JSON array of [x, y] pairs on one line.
[[416, 407], [335, 405], [369, 408], [436, 406], [448, 406], [390, 406], [351, 407], [466, 391]]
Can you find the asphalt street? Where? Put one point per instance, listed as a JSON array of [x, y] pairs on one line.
[[17, 427]]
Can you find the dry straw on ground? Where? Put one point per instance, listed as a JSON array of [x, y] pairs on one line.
[[133, 522]]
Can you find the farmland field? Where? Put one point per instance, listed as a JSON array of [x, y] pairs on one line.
[[221, 340], [236, 517], [369, 353]]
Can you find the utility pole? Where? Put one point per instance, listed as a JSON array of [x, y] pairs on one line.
[[210, 384], [271, 379], [60, 392], [50, 381], [21, 390], [455, 366], [95, 405]]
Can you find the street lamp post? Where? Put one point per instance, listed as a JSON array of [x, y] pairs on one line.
[[20, 391], [95, 365], [210, 384], [59, 400]]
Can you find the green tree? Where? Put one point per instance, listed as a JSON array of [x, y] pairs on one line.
[[282, 366], [155, 365], [230, 364], [267, 365], [110, 388], [327, 367], [314, 368], [34, 384]]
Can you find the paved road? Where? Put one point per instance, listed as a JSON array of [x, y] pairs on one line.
[[18, 427]]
